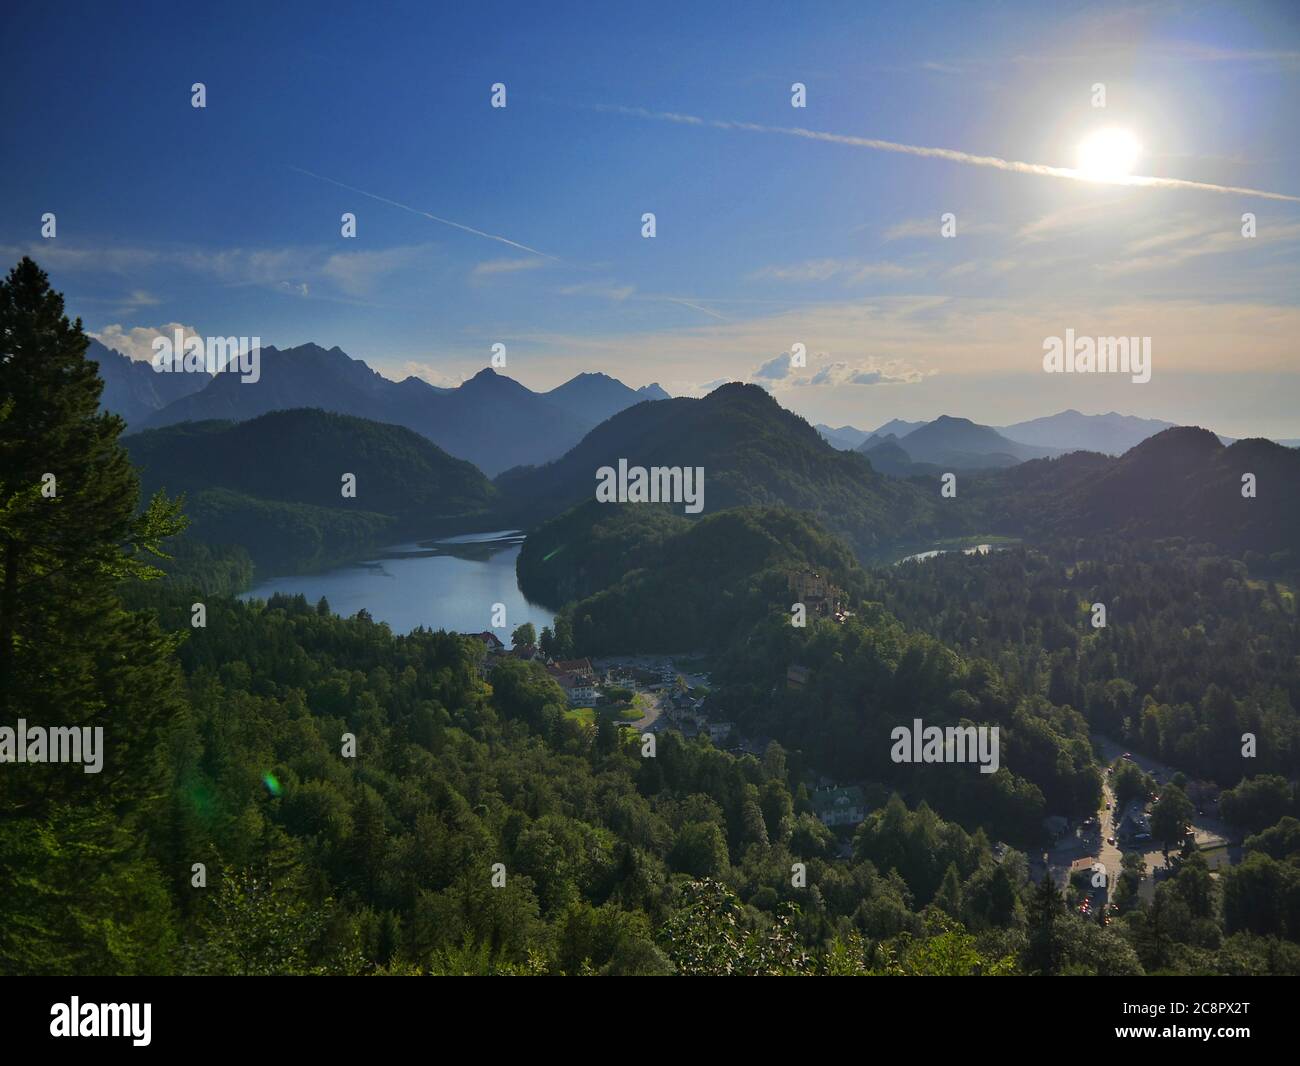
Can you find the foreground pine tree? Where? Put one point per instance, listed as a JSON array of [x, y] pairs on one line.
[[78, 894]]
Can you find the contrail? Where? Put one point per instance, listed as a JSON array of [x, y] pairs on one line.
[[478, 232], [695, 306], [950, 154], [425, 214]]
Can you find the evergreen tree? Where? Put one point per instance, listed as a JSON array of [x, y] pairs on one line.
[[1046, 910], [77, 892], [949, 897]]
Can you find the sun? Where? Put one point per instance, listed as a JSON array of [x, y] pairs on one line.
[[1108, 155]]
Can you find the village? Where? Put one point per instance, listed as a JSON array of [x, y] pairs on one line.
[[652, 693], [1088, 856]]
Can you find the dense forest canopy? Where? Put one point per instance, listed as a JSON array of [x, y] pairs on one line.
[[288, 791]]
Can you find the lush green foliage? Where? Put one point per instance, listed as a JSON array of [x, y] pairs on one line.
[[1194, 652], [288, 791], [663, 583]]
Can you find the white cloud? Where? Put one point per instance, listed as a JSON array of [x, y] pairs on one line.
[[431, 374], [929, 227], [490, 267], [136, 342], [868, 372], [1196, 239], [604, 290], [777, 369], [357, 273], [293, 270], [847, 270]]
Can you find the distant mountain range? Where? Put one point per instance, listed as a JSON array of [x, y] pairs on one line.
[[271, 484], [496, 423], [596, 397], [846, 438], [262, 471], [133, 390], [888, 456], [954, 444], [490, 420], [1109, 434]]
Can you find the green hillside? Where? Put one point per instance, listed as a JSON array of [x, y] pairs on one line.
[[754, 453], [273, 485]]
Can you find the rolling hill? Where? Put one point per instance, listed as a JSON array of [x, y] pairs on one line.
[[636, 577], [1182, 482], [754, 453], [273, 484]]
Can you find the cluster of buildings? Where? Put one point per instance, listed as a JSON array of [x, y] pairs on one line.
[[578, 680], [835, 805], [818, 594], [840, 805], [1134, 827], [693, 716], [576, 676]]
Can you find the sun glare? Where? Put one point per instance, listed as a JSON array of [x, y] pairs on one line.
[[1108, 154]]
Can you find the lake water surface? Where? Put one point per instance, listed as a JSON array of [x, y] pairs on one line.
[[447, 584], [975, 549]]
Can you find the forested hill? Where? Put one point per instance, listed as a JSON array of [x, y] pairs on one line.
[[753, 452], [1182, 482], [274, 484], [648, 580]]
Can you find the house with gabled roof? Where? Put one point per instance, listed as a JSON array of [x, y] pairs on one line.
[[845, 805]]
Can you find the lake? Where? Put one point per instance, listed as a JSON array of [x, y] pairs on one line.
[[445, 584], [975, 549]]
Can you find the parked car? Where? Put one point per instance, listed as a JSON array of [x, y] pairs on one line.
[[1110, 841]]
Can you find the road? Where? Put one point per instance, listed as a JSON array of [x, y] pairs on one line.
[[652, 694], [1209, 831]]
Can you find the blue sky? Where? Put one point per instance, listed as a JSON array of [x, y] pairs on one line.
[[169, 214]]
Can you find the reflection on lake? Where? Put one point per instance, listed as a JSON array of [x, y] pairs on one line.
[[445, 584]]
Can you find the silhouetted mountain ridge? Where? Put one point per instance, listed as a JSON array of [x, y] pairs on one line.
[[133, 389], [753, 452], [491, 420]]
